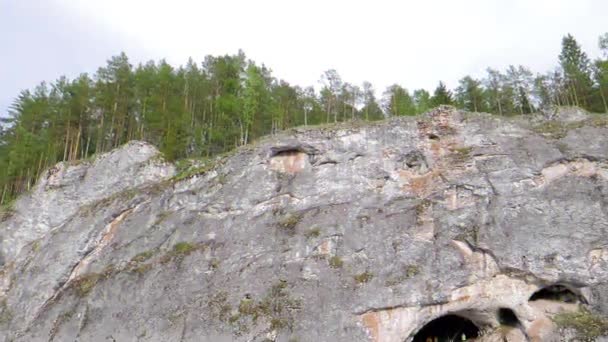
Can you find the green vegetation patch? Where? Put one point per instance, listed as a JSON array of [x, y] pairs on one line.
[[183, 172], [313, 233], [421, 208], [289, 222], [85, 283], [469, 234], [587, 325], [143, 256], [219, 306], [6, 315], [558, 130], [180, 251], [277, 307], [188, 168], [551, 129], [336, 262], [408, 272], [461, 154], [363, 278], [598, 121]]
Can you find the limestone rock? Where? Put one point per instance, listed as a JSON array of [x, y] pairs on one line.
[[489, 227]]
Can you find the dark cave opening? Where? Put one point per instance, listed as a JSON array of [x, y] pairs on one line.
[[557, 293], [507, 317], [447, 328]]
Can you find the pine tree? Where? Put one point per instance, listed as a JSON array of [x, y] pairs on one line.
[[470, 95], [397, 101], [371, 110], [576, 67], [422, 101], [441, 96]]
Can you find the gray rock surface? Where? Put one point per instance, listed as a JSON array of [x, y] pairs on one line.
[[346, 233]]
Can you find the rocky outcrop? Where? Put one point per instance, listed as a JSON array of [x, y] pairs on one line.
[[449, 225]]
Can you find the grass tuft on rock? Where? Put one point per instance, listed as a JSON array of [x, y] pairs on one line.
[[313, 233], [289, 222], [180, 251], [588, 326], [363, 278], [336, 262]]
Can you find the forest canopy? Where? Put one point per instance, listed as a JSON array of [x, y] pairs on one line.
[[203, 109]]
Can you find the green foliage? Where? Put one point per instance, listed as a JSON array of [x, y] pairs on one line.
[[363, 278], [551, 129], [336, 262], [143, 256], [422, 101], [180, 251], [461, 154], [588, 327], [421, 209], [141, 269], [219, 306], [407, 272], [84, 284], [442, 96], [470, 95], [199, 111], [6, 315], [577, 73], [188, 168], [181, 248], [397, 101], [313, 232], [277, 307], [289, 222]]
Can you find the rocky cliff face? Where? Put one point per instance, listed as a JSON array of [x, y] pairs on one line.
[[450, 226]]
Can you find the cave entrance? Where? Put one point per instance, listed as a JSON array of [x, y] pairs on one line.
[[556, 293], [447, 328], [507, 317]]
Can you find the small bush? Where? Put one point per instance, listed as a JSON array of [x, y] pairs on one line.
[[336, 262], [277, 307], [218, 304], [214, 264], [141, 269], [411, 271], [289, 222], [408, 271], [180, 251], [84, 284], [588, 327], [599, 121], [183, 248], [185, 168], [461, 154], [6, 314], [363, 278], [143, 256], [551, 129], [421, 209]]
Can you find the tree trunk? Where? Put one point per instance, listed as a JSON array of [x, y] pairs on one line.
[[603, 99]]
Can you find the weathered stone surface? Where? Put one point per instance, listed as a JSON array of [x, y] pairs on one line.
[[347, 233]]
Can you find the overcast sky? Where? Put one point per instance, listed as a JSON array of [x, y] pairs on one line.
[[413, 43]]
